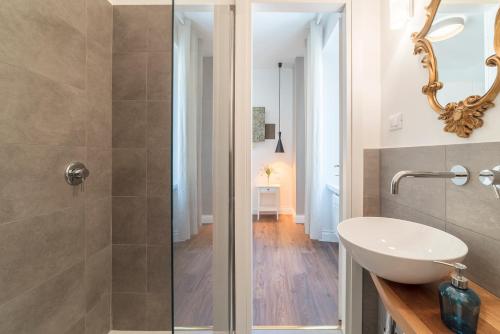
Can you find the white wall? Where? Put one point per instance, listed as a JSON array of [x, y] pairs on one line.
[[265, 94], [402, 81]]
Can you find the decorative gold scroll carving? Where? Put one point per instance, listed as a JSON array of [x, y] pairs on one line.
[[462, 117]]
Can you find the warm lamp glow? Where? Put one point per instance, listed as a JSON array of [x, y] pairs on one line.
[[446, 28]]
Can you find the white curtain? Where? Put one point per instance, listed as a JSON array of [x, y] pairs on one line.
[[186, 131], [315, 169]]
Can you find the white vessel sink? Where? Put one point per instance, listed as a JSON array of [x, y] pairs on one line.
[[399, 250]]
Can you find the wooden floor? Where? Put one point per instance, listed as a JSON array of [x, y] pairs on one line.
[[295, 278]]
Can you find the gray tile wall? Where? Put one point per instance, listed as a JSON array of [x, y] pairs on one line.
[[141, 139], [371, 208], [471, 212], [55, 88]]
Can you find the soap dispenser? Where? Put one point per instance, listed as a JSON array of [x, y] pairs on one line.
[[459, 304]]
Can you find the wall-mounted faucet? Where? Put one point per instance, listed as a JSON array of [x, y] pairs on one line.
[[491, 178], [459, 175]]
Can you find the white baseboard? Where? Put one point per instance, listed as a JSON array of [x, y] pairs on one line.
[[207, 219], [330, 236], [176, 236], [283, 211], [300, 219]]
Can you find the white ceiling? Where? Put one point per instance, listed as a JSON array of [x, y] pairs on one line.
[[279, 37]]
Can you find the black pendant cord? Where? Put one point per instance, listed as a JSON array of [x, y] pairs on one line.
[[279, 98]]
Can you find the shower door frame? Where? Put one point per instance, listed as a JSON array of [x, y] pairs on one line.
[[350, 296]]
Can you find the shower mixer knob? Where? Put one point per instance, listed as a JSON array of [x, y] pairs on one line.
[[76, 173], [491, 178]]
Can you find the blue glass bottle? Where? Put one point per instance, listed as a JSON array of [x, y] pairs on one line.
[[459, 304]]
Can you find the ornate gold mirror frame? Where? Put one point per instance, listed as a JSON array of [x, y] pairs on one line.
[[465, 116]]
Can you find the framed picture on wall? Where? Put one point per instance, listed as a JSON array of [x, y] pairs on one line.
[[259, 124]]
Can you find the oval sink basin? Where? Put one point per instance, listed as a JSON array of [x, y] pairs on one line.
[[399, 250]]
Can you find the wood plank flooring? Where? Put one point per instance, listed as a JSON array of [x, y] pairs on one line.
[[193, 280], [295, 278]]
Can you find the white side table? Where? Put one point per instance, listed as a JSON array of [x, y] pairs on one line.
[[270, 190]]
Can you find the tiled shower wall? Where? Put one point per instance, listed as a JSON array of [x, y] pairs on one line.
[[55, 241], [471, 212], [141, 167]]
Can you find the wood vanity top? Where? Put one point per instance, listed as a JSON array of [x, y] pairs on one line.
[[415, 308]]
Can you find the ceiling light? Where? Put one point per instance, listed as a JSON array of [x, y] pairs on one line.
[[446, 28]]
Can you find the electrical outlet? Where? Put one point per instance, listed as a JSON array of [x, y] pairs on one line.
[[396, 121]]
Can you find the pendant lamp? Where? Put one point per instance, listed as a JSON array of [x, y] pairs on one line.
[[279, 146]]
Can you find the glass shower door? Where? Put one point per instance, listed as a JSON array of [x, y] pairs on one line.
[[202, 191]]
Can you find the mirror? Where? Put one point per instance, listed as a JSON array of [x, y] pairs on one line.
[[460, 44]]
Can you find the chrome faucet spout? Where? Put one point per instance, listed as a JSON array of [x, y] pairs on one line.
[[458, 174]]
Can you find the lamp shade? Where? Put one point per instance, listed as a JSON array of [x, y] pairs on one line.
[[279, 146]]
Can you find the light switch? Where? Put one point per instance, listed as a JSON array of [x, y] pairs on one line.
[[396, 121]]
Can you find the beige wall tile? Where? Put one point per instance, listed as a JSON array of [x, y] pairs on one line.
[[98, 224], [45, 37], [159, 28], [97, 277], [159, 75], [37, 110], [159, 165], [129, 124], [471, 210], [129, 220], [99, 163], [393, 209], [158, 311], [130, 28], [49, 308], [415, 193], [29, 188], [159, 217], [142, 120], [129, 268], [482, 259], [99, 85], [49, 244], [129, 76], [159, 263], [129, 172], [474, 206], [55, 85], [78, 328], [129, 311], [98, 319], [100, 22], [159, 124]]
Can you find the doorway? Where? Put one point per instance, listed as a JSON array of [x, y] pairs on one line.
[[296, 166]]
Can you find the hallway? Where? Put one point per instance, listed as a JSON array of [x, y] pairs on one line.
[[295, 278]]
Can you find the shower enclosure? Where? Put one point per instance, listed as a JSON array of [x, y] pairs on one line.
[[116, 169]]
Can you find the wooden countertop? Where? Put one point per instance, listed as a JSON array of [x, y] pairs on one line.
[[415, 308]]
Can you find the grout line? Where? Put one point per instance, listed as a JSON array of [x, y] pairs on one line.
[[147, 174]]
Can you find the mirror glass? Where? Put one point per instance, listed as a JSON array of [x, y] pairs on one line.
[[462, 37]]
